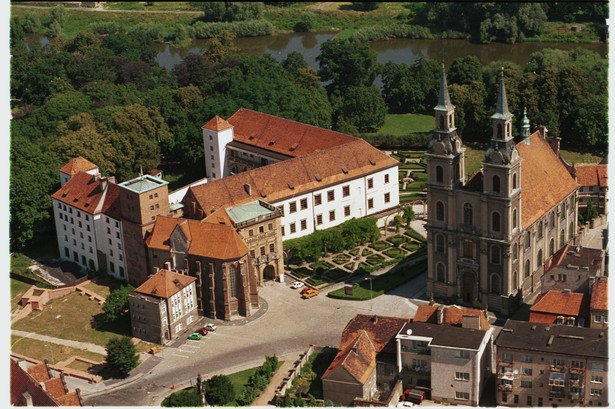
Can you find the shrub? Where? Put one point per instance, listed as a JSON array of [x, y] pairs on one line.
[[122, 355], [31, 22], [250, 28], [385, 31], [185, 398], [307, 22], [415, 235], [219, 390]]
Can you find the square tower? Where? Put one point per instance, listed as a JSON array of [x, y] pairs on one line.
[[217, 133]]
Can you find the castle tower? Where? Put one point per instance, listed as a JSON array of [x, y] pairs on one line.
[[525, 128], [217, 133]]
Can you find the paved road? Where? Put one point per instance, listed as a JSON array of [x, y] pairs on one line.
[[288, 327]]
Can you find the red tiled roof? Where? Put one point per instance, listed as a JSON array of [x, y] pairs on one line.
[[451, 315], [381, 330], [217, 124], [592, 175], [165, 284], [600, 294], [220, 216], [83, 191], [358, 358], [70, 399], [283, 135], [559, 303], [476, 181], [39, 372], [205, 239], [22, 382], [426, 313], [77, 165], [55, 387], [292, 177], [544, 179]]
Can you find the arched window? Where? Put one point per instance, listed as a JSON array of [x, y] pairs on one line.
[[528, 239], [232, 276], [539, 259], [571, 231], [495, 221], [495, 284], [467, 214], [495, 254], [559, 320], [515, 283], [441, 272], [540, 230], [552, 248], [515, 219], [562, 238], [496, 184], [450, 121], [563, 211], [440, 211], [514, 180], [515, 251], [527, 268], [440, 243], [441, 121], [499, 130], [439, 174]]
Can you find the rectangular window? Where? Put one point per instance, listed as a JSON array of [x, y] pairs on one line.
[[370, 203], [346, 211], [332, 215], [151, 197], [151, 207], [597, 318], [516, 399], [303, 204], [66, 252], [331, 195], [271, 248], [596, 379], [526, 371], [387, 197], [386, 178], [576, 364], [250, 233], [317, 200], [346, 191], [292, 207], [112, 267], [507, 357], [526, 384], [462, 354], [526, 358], [462, 395], [293, 228], [318, 219], [270, 226], [370, 183], [596, 392], [539, 402], [87, 228], [462, 376], [252, 253], [283, 233], [529, 401], [261, 229], [262, 250], [304, 224]]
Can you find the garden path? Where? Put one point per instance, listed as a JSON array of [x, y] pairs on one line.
[[75, 344]]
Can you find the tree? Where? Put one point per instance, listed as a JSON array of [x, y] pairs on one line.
[[117, 302], [298, 400], [397, 222], [306, 23], [364, 5], [590, 212], [181, 399], [31, 22], [221, 46], [122, 355], [408, 214], [230, 11], [363, 108], [195, 69], [591, 122], [411, 88], [58, 15], [464, 70], [219, 390]]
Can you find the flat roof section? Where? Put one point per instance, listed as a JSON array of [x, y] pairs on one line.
[[247, 211], [143, 184]]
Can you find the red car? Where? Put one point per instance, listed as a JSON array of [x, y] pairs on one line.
[[305, 290], [202, 331]]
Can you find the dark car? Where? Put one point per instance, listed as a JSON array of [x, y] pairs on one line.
[[201, 331]]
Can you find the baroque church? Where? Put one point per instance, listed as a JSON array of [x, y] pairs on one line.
[[490, 235]]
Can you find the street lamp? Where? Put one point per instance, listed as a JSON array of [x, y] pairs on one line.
[[371, 299]]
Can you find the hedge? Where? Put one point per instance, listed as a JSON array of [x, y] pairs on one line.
[[415, 235], [246, 28], [385, 31]]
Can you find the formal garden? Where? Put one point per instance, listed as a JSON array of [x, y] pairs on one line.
[[412, 175]]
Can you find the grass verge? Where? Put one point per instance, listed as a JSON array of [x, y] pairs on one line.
[[55, 353]]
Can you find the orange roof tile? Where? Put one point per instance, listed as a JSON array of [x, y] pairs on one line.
[[217, 124], [381, 330], [283, 135], [205, 239], [454, 316], [592, 175], [70, 399], [358, 358], [55, 387], [76, 165], [39, 372], [273, 182], [544, 179], [22, 382], [165, 284], [600, 294], [426, 313], [559, 303], [220, 216], [84, 192]]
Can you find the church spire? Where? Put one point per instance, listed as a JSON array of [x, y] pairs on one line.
[[501, 109], [525, 127], [444, 100]]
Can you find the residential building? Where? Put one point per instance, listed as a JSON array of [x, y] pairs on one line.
[[574, 269], [488, 236], [89, 224], [551, 365], [76, 165], [365, 365], [163, 306], [319, 178], [446, 353], [599, 304], [561, 308], [215, 255], [38, 385], [593, 179]]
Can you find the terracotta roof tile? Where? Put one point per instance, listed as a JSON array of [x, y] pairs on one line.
[[283, 135], [271, 182], [55, 387], [84, 192], [205, 239], [600, 294], [217, 124], [381, 330], [76, 165], [544, 179], [358, 358], [165, 284], [475, 182], [559, 303], [451, 315], [39, 372], [22, 382], [592, 175], [426, 313], [70, 399]]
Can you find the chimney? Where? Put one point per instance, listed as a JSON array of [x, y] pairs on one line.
[[375, 319], [78, 392], [112, 180], [103, 183], [27, 399], [440, 313], [470, 321], [167, 265], [566, 291], [543, 131], [248, 189]]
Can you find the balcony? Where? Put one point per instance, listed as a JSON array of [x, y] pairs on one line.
[[419, 370], [420, 351], [505, 388], [506, 375], [557, 393], [576, 383], [467, 261], [575, 370], [558, 368]]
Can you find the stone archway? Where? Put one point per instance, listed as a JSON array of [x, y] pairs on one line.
[[269, 273]]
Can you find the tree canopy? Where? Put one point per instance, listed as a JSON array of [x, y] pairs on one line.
[[122, 355]]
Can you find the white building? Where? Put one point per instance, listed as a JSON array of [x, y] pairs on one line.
[[88, 223], [76, 165], [320, 178]]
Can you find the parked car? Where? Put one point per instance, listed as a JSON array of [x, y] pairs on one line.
[[202, 331], [312, 292], [414, 396], [306, 289], [210, 327], [195, 335], [296, 284]]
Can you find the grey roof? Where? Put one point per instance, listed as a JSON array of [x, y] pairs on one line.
[[247, 211], [557, 339], [446, 335], [444, 100], [501, 109], [142, 184]]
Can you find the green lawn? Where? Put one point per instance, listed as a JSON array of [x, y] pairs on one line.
[[19, 271], [474, 158], [576, 157], [403, 124], [239, 381], [18, 288], [55, 353]]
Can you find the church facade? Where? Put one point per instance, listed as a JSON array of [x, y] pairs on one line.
[[490, 235]]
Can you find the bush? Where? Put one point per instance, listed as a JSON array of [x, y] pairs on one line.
[[307, 22], [385, 31], [104, 27], [415, 235], [185, 398], [250, 28], [219, 390], [31, 22], [122, 355]]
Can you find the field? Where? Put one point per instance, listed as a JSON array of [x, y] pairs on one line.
[[403, 124], [55, 353], [576, 157]]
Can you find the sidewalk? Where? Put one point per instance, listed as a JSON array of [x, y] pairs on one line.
[[75, 344], [268, 394]]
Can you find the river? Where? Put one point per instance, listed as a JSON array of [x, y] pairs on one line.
[[398, 50]]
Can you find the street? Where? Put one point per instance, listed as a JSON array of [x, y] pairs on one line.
[[287, 328]]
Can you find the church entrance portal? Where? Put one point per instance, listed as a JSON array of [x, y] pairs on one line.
[[269, 273], [468, 287]]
